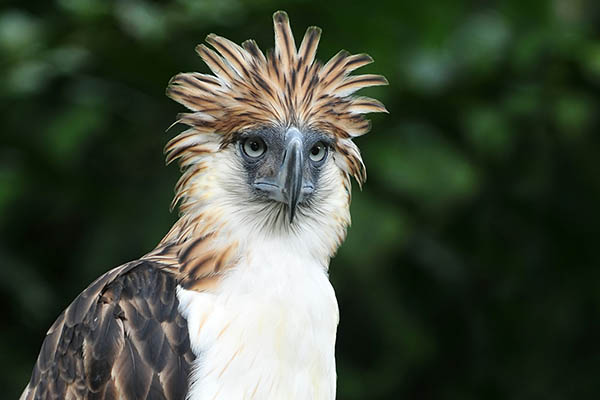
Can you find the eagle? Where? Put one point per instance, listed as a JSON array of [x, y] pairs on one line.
[[235, 301]]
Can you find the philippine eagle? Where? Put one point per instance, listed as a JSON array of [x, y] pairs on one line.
[[235, 301]]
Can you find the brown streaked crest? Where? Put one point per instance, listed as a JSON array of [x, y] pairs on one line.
[[286, 87]]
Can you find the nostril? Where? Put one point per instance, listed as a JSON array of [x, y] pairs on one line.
[[306, 191]]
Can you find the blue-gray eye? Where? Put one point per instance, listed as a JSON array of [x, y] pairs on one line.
[[254, 147], [318, 152]]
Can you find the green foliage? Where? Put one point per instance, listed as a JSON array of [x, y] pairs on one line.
[[471, 269]]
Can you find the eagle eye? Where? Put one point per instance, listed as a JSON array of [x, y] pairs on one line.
[[318, 152], [254, 147]]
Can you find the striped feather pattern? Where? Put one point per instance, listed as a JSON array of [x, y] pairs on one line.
[[284, 87]]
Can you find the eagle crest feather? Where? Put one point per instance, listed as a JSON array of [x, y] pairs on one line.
[[286, 87]]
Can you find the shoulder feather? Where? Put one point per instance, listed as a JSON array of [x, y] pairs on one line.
[[122, 337]]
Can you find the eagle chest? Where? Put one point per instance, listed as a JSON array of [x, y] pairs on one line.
[[267, 333]]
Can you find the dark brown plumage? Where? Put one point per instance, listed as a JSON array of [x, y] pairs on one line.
[[122, 337]]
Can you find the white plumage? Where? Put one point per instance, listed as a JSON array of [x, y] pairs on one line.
[[268, 332]]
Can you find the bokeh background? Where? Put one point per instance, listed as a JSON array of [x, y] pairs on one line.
[[472, 268]]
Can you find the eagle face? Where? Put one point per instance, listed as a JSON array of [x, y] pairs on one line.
[[269, 147], [283, 165], [275, 181]]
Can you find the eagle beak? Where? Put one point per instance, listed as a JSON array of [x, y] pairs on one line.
[[288, 184], [291, 172]]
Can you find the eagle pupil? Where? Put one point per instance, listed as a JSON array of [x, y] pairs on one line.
[[318, 152], [253, 147]]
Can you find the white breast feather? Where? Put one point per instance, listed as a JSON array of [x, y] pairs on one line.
[[268, 332]]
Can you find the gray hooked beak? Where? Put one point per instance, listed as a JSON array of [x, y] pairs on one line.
[[291, 172], [288, 185]]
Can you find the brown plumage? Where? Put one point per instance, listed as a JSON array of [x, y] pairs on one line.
[[286, 87], [122, 337]]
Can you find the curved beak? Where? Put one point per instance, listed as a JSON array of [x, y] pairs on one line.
[[291, 172], [288, 185]]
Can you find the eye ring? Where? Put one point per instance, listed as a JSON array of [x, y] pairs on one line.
[[253, 147], [318, 152]]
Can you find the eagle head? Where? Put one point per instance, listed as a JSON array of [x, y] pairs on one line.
[[269, 146]]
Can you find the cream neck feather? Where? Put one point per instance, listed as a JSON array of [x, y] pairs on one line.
[[218, 208]]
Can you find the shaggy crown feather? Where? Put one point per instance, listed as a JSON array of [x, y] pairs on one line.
[[286, 87]]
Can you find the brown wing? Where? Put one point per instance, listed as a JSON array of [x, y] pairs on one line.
[[122, 338]]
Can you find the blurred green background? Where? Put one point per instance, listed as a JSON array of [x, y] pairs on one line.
[[471, 270]]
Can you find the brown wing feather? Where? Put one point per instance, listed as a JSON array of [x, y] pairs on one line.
[[122, 337]]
